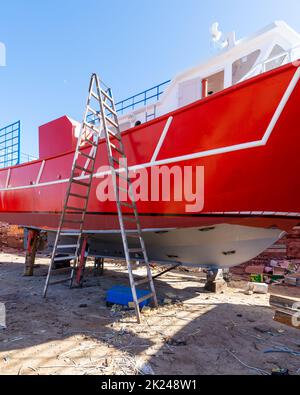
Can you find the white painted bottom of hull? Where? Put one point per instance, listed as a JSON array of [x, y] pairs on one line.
[[220, 246]]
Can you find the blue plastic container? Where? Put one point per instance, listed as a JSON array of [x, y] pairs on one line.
[[123, 296]]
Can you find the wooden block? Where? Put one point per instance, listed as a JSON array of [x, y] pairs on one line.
[[287, 319], [216, 287]]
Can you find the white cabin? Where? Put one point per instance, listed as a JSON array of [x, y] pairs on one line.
[[271, 47]]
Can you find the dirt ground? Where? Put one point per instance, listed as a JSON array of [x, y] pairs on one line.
[[193, 332]]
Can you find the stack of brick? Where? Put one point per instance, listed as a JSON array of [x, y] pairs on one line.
[[293, 244], [11, 236], [285, 250]]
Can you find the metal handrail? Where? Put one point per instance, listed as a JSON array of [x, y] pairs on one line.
[[10, 145], [141, 98], [26, 158]]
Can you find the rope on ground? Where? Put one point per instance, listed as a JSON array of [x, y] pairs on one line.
[[261, 371]]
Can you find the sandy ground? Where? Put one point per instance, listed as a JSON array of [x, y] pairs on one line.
[[74, 332]]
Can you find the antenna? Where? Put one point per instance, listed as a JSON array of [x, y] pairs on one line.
[[216, 34], [219, 39]]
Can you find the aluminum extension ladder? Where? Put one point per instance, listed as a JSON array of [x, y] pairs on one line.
[[101, 117]]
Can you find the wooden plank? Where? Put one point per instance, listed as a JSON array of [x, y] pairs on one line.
[[287, 319], [284, 303]]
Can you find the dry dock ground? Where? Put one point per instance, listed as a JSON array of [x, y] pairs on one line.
[[193, 332]]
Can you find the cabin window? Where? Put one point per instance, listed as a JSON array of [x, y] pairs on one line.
[[276, 58], [215, 83], [242, 67]]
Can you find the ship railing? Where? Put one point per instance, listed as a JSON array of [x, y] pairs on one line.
[[142, 99], [10, 145], [278, 60], [26, 158]]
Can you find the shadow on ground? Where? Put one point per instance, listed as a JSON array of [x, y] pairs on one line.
[[199, 334]]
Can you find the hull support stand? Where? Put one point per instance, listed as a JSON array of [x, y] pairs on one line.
[[99, 267], [215, 281], [82, 262], [31, 250]]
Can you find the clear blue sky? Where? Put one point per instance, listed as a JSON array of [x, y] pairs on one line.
[[54, 45]]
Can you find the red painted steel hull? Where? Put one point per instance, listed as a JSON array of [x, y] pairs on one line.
[[257, 185]]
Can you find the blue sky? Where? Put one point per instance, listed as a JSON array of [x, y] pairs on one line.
[[54, 46]]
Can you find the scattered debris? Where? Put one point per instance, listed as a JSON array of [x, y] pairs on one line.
[[145, 368], [258, 288], [146, 310], [280, 372], [176, 342]]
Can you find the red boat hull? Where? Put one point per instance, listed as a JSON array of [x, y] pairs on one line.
[[247, 139]]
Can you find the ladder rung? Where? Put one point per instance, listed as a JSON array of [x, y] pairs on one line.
[[106, 95], [69, 234], [109, 108], [73, 221], [135, 250], [141, 282], [84, 184], [129, 219], [78, 196], [95, 96], [75, 209], [127, 205], [60, 281], [90, 142], [115, 135], [91, 127], [86, 155], [133, 235], [113, 123], [83, 169], [64, 258], [146, 297], [96, 113], [113, 146], [67, 246]]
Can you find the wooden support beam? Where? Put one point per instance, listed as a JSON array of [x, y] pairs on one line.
[[99, 267], [82, 262], [287, 310], [32, 246], [279, 302]]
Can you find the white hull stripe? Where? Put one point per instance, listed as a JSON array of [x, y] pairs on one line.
[[197, 155], [254, 213]]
